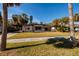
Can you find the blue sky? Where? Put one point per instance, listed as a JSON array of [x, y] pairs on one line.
[[42, 12]]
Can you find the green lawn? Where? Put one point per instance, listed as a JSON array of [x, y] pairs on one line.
[[38, 48], [40, 34]]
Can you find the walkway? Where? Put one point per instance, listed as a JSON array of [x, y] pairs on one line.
[[27, 39]]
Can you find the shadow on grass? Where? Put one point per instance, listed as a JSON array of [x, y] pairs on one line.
[[61, 42], [58, 42], [24, 46]]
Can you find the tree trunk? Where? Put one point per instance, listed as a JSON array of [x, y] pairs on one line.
[[4, 27], [71, 23]]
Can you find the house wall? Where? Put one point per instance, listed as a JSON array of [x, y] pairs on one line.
[[36, 28], [43, 28], [27, 28]]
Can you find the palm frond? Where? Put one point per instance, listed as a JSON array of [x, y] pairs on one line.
[[13, 4]]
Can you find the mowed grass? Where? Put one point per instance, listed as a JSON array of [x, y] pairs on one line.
[[38, 34], [37, 48]]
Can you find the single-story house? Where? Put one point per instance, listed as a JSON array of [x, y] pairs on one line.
[[36, 28]]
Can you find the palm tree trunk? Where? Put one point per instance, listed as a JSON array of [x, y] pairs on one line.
[[71, 22], [4, 27]]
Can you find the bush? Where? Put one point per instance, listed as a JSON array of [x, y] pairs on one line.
[[62, 29]]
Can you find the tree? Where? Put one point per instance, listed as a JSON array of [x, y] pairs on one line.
[[41, 22], [31, 19], [20, 20], [56, 22], [15, 19], [71, 23], [25, 18], [4, 28], [64, 20], [0, 18], [76, 17]]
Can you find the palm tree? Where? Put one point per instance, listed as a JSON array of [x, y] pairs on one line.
[[31, 19], [71, 23], [76, 17], [15, 19], [64, 20], [56, 22], [4, 28], [0, 18], [20, 20], [24, 19]]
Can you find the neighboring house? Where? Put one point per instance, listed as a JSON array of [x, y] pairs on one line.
[[36, 28], [76, 26]]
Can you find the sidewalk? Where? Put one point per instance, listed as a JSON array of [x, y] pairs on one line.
[[25, 39]]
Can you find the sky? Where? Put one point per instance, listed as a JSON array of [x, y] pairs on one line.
[[42, 12]]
